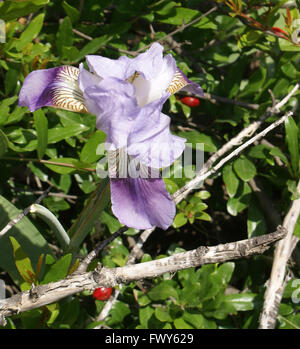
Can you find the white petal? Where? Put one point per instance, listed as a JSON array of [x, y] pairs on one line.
[[152, 89]]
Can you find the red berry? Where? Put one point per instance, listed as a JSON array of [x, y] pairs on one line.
[[102, 293], [190, 101]]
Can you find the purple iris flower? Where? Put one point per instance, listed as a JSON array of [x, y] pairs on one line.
[[127, 96]]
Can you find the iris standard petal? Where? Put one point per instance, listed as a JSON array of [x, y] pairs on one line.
[[86, 79], [154, 74], [104, 67], [142, 203], [55, 87], [113, 102], [145, 132]]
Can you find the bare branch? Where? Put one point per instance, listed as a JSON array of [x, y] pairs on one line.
[[110, 277], [194, 183], [93, 254], [282, 253], [23, 213], [180, 29]]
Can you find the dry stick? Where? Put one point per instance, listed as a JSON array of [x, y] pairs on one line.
[[247, 132], [282, 253], [22, 214], [194, 183], [207, 96], [180, 29], [93, 254], [131, 259], [41, 295], [213, 99], [49, 162]]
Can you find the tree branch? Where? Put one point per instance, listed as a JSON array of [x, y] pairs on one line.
[[197, 181], [42, 295], [282, 253], [23, 213]]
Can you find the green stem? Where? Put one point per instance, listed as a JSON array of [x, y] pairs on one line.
[[91, 212], [49, 218], [49, 162]]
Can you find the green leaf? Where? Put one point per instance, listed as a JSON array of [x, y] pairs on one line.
[[198, 321], [93, 46], [118, 313], [225, 272], [141, 298], [68, 314], [4, 108], [288, 46], [240, 301], [71, 11], [241, 201], [256, 223], [54, 310], [259, 151], [230, 179], [23, 262], [297, 228], [244, 168], [195, 137], [292, 289], [3, 143], [289, 70], [145, 315], [41, 126], [179, 220], [179, 15], [162, 291], [11, 9], [89, 150], [31, 32], [64, 37], [249, 38], [292, 139], [25, 233], [11, 79], [96, 203], [277, 152], [58, 270], [205, 23], [111, 222], [58, 134], [163, 315], [180, 324], [290, 322], [171, 186], [255, 82]]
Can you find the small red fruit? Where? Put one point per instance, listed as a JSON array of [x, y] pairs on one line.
[[190, 101], [102, 293]]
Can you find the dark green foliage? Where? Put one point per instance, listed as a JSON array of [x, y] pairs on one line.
[[243, 51]]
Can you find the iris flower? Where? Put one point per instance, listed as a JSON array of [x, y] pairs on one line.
[[127, 96]]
